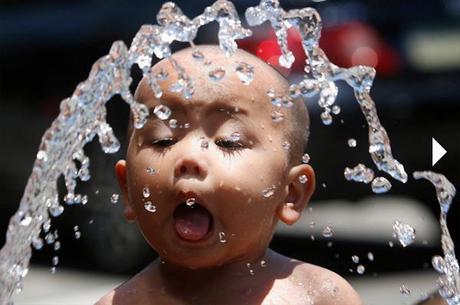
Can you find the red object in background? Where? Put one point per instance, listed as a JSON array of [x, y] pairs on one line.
[[347, 45]]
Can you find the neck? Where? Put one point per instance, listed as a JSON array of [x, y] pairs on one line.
[[241, 275]]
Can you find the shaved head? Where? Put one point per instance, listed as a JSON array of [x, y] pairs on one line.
[[294, 126]]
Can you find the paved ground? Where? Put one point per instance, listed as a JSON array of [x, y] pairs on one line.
[[73, 287]]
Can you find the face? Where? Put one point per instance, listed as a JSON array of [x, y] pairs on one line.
[[225, 158]]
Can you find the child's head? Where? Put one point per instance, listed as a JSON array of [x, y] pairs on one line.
[[232, 159]]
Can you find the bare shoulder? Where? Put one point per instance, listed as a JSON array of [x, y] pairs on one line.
[[136, 290], [324, 286]]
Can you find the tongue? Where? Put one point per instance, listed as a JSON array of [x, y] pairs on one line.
[[192, 223]]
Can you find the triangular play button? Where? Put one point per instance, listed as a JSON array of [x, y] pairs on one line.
[[437, 151]]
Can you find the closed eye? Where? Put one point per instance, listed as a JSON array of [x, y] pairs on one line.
[[164, 142], [229, 144]]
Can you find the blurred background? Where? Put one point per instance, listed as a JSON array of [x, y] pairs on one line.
[[48, 47]]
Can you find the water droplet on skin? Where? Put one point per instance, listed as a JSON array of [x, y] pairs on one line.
[[161, 75], [352, 142], [162, 112], [235, 136], [150, 171], [55, 260], [360, 269], [216, 74], [336, 109], [173, 123], [404, 232], [305, 158], [190, 202], [187, 125], [404, 290], [380, 185], [370, 256], [149, 206], [355, 259], [286, 145], [268, 192], [326, 118], [114, 198], [277, 116], [303, 179], [146, 192], [197, 55], [204, 143], [222, 238], [245, 72]]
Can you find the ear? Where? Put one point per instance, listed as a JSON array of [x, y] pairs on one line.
[[298, 192], [120, 171]]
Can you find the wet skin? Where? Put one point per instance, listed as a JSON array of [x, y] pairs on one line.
[[227, 178]]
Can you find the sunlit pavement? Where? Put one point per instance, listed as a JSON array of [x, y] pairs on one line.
[[72, 287]]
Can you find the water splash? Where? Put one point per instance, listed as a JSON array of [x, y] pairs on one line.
[[359, 173], [321, 75], [447, 266], [404, 233], [380, 185]]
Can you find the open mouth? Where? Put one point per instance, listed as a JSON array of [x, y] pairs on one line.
[[192, 223]]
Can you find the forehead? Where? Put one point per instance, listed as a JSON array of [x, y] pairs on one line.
[[229, 92]]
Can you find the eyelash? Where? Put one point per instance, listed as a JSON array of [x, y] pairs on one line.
[[227, 146]]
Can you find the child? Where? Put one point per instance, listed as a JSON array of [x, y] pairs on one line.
[[223, 178]]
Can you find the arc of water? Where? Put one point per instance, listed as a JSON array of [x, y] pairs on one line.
[[447, 266], [321, 75]]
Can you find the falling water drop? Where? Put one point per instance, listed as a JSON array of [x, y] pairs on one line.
[[352, 142], [245, 72], [328, 232], [360, 173], [114, 198], [149, 206], [380, 185], [37, 243], [305, 158], [370, 256], [326, 118], [55, 260], [336, 109], [216, 74], [162, 112], [355, 259], [204, 143], [360, 269], [404, 232]]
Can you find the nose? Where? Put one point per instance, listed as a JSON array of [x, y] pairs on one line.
[[191, 163]]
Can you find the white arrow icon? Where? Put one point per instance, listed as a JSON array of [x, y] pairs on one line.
[[437, 151]]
